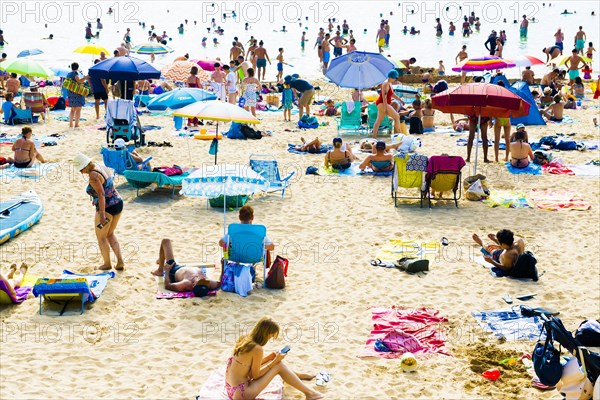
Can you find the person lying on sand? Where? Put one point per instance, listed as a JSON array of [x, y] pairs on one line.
[[180, 278], [313, 147], [11, 282], [504, 251]]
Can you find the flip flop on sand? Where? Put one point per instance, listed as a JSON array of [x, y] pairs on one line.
[[445, 241], [385, 264], [508, 299], [323, 378]]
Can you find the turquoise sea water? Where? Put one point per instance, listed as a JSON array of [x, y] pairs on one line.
[[26, 23]]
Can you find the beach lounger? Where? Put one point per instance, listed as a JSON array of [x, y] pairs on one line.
[[34, 102], [266, 165], [443, 175], [403, 178], [143, 179], [122, 122], [386, 124], [246, 244], [350, 121], [62, 291], [121, 160]]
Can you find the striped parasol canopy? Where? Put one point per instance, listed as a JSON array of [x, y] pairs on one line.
[[151, 48], [526, 61], [486, 63], [561, 60], [179, 71]]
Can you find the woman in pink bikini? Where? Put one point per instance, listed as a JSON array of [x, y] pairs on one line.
[[249, 373]]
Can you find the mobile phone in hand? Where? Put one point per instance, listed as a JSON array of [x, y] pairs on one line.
[[485, 252], [285, 350]]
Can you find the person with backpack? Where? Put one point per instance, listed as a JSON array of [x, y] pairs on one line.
[[504, 251]]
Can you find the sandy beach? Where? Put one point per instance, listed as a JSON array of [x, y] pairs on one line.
[[128, 344]]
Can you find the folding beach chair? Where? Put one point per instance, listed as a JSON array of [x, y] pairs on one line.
[[386, 124], [62, 291], [35, 102], [246, 244], [406, 179], [20, 116], [443, 175], [121, 160], [122, 122], [266, 165], [350, 121]]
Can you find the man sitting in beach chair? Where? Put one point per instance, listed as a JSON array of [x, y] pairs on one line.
[[504, 252], [36, 101], [179, 278]]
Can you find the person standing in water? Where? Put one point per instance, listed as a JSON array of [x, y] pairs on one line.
[[460, 57], [580, 38], [524, 26], [381, 37]]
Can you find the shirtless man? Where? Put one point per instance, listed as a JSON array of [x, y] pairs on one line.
[[217, 80], [504, 251], [548, 80], [250, 55], [235, 51], [326, 52], [240, 45], [573, 64], [559, 37], [524, 26], [528, 75], [466, 27], [580, 39], [122, 50], [242, 68], [179, 278], [351, 46], [338, 44], [319, 44], [554, 112], [261, 60], [381, 37], [460, 57]]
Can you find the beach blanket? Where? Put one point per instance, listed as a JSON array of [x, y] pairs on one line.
[[509, 325], [324, 149], [531, 169], [422, 324], [396, 249], [585, 170], [353, 171], [507, 199], [590, 144], [36, 172], [464, 142], [214, 388], [22, 291], [96, 282], [65, 118], [558, 200], [150, 127], [439, 129], [162, 293], [555, 168], [566, 120]]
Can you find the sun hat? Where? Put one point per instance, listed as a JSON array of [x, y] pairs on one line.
[[520, 126], [33, 85], [81, 161], [120, 143], [547, 90]]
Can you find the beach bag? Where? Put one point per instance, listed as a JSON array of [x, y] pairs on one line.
[[169, 171], [476, 191], [525, 267], [273, 100], [588, 333], [440, 87], [72, 86], [308, 122], [409, 144], [401, 342], [250, 133], [277, 273], [237, 277], [546, 361]]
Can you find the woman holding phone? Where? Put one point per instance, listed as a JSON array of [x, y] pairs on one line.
[[249, 372]]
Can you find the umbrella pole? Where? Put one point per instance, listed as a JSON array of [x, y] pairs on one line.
[[477, 143], [217, 143]]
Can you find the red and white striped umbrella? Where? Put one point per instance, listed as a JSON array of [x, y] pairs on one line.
[[526, 61]]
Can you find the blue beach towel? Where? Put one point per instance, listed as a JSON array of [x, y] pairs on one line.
[[531, 169], [509, 324], [464, 142], [324, 149]]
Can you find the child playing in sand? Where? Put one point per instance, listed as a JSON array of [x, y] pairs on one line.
[[287, 98]]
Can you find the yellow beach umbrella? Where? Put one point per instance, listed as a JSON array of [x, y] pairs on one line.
[[561, 60], [91, 48], [400, 64]]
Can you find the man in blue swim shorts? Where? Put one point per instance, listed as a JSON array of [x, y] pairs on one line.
[[573, 64], [580, 38]]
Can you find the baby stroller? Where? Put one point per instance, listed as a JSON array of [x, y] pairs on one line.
[[122, 122], [589, 360]]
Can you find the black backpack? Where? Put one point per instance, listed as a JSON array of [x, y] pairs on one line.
[[59, 105], [250, 133], [525, 267]]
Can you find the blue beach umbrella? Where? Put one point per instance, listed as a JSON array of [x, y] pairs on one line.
[[178, 98], [212, 181], [124, 68], [359, 70], [61, 72], [29, 52]]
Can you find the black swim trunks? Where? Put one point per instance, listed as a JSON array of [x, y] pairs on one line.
[[173, 270]]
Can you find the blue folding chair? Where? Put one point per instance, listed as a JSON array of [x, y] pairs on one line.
[[20, 116], [266, 165], [121, 160], [246, 244]]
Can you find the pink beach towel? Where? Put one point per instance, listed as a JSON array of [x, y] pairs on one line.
[[414, 329], [557, 169], [559, 200], [162, 293], [214, 388]]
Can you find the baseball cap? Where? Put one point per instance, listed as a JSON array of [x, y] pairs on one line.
[[119, 143], [520, 126]]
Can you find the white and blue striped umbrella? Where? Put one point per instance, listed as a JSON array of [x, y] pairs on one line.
[[179, 98], [212, 181], [29, 52], [359, 70]]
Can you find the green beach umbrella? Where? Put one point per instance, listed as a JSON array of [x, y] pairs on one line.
[[28, 67]]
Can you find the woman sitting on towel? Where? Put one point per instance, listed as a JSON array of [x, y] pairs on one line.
[[381, 161], [25, 151], [427, 119], [520, 151], [338, 158], [249, 372], [504, 251]]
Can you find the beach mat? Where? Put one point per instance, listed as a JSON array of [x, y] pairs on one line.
[[554, 200], [419, 330], [465, 141], [531, 169], [566, 120], [396, 249], [36, 172], [162, 293], [353, 171], [96, 282], [324, 149], [214, 388], [440, 130], [585, 170], [509, 324], [22, 291], [507, 199]]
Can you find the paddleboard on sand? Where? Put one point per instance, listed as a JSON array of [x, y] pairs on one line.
[[19, 214]]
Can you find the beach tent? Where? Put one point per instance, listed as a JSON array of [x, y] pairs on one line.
[[534, 117], [499, 78]]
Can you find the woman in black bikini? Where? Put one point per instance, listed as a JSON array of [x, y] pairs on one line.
[[25, 151], [520, 151], [338, 159]]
